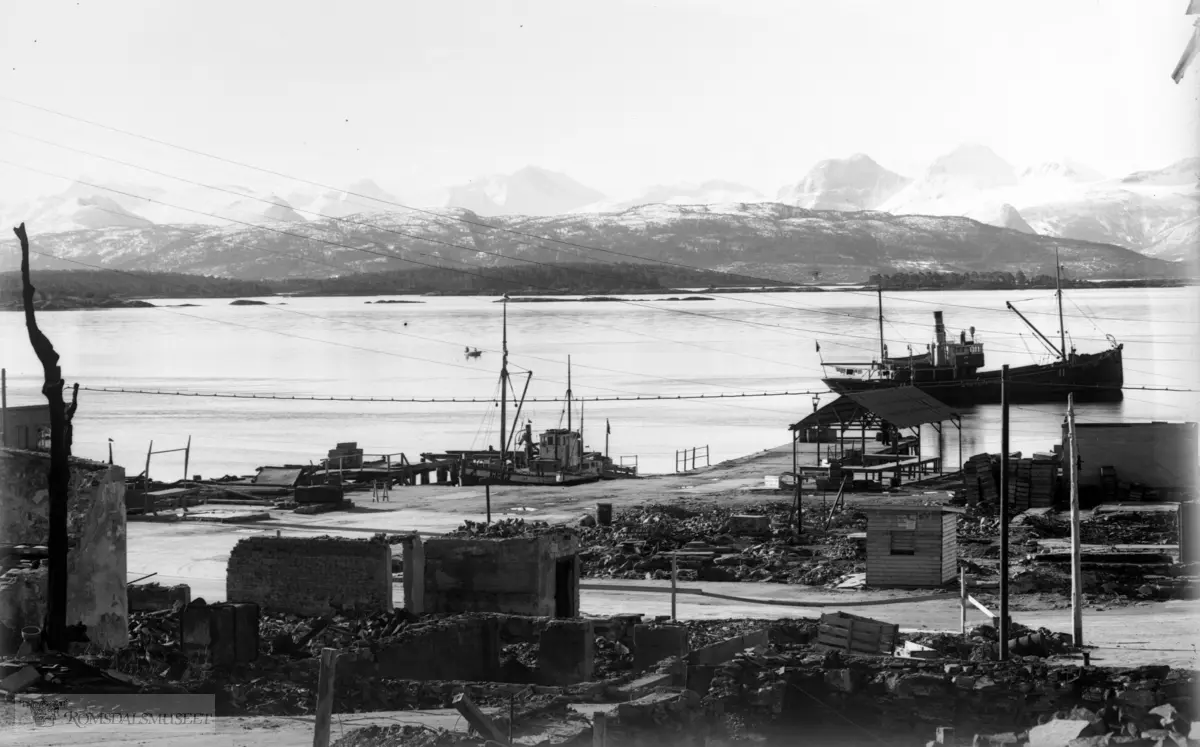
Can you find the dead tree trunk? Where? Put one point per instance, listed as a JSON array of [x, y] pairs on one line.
[[55, 627]]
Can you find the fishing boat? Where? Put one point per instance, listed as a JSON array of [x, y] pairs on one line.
[[951, 372], [557, 457]]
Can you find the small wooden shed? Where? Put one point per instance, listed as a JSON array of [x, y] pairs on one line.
[[911, 546]]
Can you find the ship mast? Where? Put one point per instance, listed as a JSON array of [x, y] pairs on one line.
[[1062, 329], [568, 394], [882, 351], [504, 383]]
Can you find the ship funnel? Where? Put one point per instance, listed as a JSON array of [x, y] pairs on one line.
[[939, 329]]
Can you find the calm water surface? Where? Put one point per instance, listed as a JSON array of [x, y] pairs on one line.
[[733, 344]]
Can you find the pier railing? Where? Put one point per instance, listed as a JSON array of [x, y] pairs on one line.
[[687, 459]]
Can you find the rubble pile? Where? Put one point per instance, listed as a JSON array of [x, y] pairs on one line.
[[892, 697], [408, 735], [703, 633], [282, 680], [1130, 528], [501, 529], [716, 544], [981, 643]]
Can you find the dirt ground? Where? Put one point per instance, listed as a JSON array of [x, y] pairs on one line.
[[268, 731], [196, 552]]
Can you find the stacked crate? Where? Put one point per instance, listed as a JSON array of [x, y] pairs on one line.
[[980, 481], [1032, 483], [1043, 483]]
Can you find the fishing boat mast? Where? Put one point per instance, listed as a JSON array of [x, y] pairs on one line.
[[568, 393], [882, 349], [1062, 329]]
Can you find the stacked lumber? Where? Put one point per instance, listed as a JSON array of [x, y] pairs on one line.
[[861, 635], [980, 481]]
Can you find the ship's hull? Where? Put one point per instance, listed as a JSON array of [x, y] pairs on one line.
[[1095, 377], [480, 476]]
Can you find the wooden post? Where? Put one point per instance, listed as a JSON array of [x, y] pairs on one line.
[[487, 496], [187, 453], [4, 407], [325, 697], [1076, 570], [59, 479], [149, 451], [599, 730], [477, 719], [674, 573], [1003, 627], [962, 601]]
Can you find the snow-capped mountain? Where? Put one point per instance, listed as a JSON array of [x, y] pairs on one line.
[[854, 183], [954, 183], [712, 192], [363, 196], [1003, 216], [1152, 212], [530, 191], [1060, 170]]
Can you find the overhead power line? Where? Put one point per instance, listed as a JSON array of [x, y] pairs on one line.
[[450, 400]]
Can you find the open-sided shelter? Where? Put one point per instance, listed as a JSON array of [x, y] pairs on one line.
[[893, 416]]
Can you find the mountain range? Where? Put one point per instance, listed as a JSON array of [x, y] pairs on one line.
[[768, 240], [1155, 213]]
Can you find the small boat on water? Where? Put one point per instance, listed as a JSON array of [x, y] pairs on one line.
[[557, 457], [472, 353], [950, 370]]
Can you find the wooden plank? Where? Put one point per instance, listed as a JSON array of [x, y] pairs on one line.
[[477, 719], [981, 607], [856, 636]]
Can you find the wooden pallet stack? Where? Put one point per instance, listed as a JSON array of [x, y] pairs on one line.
[[980, 481]]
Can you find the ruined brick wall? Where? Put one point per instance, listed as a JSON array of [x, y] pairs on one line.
[[96, 567], [311, 576], [512, 576]]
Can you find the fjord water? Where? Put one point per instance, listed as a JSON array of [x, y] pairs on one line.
[[733, 344]]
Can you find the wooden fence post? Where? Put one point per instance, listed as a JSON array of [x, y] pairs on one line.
[[674, 574], [325, 697], [599, 730], [963, 602]]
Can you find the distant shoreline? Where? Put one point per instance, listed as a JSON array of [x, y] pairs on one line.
[[69, 302]]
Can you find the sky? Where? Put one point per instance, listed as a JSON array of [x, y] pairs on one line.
[[620, 94]]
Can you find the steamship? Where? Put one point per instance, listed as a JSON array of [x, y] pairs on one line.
[[950, 370]]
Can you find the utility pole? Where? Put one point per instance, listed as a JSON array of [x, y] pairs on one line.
[[1003, 513], [3, 407], [503, 385], [1076, 568]]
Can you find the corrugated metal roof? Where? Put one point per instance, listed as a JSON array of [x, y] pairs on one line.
[[901, 406]]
